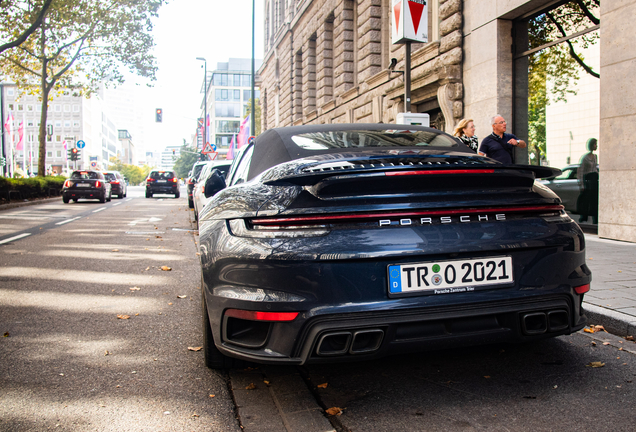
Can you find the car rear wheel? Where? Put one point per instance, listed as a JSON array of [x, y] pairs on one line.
[[103, 198], [66, 200], [177, 195], [190, 203], [148, 194], [110, 197], [214, 359]]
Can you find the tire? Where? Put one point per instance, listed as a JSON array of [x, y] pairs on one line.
[[110, 197], [190, 203], [214, 359], [103, 198], [66, 200], [177, 195], [120, 196], [148, 194]]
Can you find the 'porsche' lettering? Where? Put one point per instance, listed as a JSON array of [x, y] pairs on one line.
[[442, 219]]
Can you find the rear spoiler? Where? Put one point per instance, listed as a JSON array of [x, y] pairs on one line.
[[308, 176]]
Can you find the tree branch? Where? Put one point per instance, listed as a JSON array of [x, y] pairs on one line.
[[25, 35], [587, 12], [573, 53]]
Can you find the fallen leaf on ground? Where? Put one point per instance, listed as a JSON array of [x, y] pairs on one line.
[[266, 382], [629, 338], [183, 296], [606, 343], [134, 288], [212, 395], [599, 328], [106, 353], [147, 268], [115, 250], [334, 411], [324, 385], [596, 364], [120, 316], [195, 348], [158, 236], [6, 334], [169, 304], [487, 376], [252, 386], [195, 415], [587, 330], [166, 268]]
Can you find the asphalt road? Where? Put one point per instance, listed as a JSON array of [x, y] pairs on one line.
[[69, 363]]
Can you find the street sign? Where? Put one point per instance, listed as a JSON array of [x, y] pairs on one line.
[[410, 21], [207, 149], [93, 164], [214, 147], [81, 144]]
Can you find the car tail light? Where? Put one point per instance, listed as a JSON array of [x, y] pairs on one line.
[[67, 183], [261, 316], [438, 172], [582, 289], [114, 182], [149, 179], [97, 183], [174, 180]]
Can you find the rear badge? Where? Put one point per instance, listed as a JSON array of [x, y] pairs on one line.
[[442, 220]]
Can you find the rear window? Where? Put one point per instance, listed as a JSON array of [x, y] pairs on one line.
[[318, 141], [197, 170], [85, 175], [162, 175], [110, 177]]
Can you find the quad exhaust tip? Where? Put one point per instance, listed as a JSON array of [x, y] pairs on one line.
[[537, 323], [350, 342]]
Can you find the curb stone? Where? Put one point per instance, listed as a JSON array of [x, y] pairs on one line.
[[28, 203], [614, 322]]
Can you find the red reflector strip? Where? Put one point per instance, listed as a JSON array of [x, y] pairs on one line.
[[261, 316], [582, 289], [332, 218], [435, 172]]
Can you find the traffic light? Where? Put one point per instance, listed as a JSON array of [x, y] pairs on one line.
[[73, 154], [159, 115]]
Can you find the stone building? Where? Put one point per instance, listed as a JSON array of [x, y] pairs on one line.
[[328, 61]]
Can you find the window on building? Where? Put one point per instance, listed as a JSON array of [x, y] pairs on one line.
[[76, 108], [10, 107], [67, 108], [237, 80], [48, 138], [556, 99], [58, 123], [49, 154], [30, 123], [20, 107], [58, 153], [58, 108], [227, 110], [76, 124], [67, 123], [247, 81], [220, 94], [10, 91], [58, 138], [227, 126], [219, 80], [29, 107], [237, 95]]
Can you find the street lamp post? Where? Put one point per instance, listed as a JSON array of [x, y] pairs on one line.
[[205, 100]]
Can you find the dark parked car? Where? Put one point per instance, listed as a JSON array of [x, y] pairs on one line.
[[117, 182], [344, 242], [198, 194], [192, 179], [87, 184], [162, 182], [566, 186]]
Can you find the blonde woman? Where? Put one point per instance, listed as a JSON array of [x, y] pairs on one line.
[[465, 131]]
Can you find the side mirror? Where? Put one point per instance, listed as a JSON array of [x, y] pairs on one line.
[[214, 184]]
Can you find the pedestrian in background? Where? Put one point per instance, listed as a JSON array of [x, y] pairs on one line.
[[499, 145], [587, 175], [465, 131]]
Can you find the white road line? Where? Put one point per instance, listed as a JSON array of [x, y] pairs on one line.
[[68, 220], [10, 239], [99, 209], [116, 204], [128, 199]]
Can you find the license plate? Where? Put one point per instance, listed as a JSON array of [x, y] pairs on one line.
[[161, 181], [83, 185], [442, 277]]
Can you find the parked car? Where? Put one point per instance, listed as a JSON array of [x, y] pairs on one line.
[[117, 182], [200, 200], [86, 184], [348, 242], [162, 182], [193, 177]]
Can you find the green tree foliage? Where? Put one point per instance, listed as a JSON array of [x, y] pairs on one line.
[[187, 158], [258, 114], [553, 72], [17, 23], [133, 173], [80, 44]]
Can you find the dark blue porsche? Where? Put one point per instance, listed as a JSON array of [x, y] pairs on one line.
[[347, 242]]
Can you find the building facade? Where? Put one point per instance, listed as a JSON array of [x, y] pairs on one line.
[[229, 93], [332, 61], [69, 120]]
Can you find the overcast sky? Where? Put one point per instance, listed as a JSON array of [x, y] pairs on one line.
[[186, 29]]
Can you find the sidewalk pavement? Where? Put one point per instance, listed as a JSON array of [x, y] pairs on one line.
[[23, 203], [611, 301]]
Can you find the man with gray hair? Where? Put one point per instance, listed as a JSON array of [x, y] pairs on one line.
[[499, 145]]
